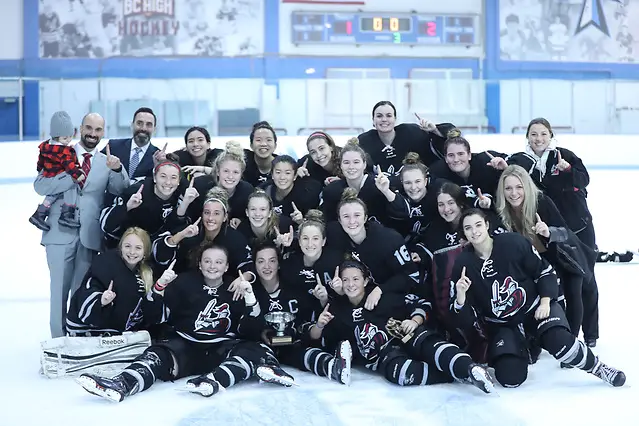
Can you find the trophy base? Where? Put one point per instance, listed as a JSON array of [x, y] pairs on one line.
[[281, 340]]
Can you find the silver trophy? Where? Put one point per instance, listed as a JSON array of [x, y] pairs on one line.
[[279, 321]]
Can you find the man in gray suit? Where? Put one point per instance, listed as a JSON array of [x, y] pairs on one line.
[[70, 251]]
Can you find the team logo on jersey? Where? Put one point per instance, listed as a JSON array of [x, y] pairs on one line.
[[277, 209], [166, 211], [214, 319], [470, 192], [309, 274], [358, 315], [389, 151], [274, 305], [135, 317], [487, 270], [416, 212], [508, 298], [370, 340], [554, 170], [451, 238]]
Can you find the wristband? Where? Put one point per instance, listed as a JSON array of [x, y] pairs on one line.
[[159, 287], [317, 325]]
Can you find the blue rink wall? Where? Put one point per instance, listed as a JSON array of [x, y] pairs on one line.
[[272, 68]]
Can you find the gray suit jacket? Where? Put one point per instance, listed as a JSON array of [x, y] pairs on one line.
[[90, 200]]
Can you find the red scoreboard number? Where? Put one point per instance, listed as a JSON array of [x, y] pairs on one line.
[[428, 28]]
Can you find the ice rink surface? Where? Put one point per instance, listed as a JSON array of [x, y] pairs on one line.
[[551, 396]]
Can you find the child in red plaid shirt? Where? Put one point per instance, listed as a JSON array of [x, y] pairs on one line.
[[57, 156]]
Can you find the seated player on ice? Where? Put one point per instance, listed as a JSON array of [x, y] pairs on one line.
[[207, 313]]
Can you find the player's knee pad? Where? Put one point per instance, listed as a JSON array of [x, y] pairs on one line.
[[510, 371]]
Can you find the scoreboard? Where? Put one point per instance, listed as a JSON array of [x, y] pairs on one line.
[[369, 28]]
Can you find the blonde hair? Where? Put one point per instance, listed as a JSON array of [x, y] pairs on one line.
[[217, 194], [273, 221], [146, 273], [522, 223], [232, 152]]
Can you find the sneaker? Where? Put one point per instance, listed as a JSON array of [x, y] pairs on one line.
[[274, 374], [478, 376], [608, 374], [114, 389], [205, 385], [38, 219], [67, 217], [339, 367]]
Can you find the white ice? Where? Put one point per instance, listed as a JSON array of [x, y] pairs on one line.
[[551, 396]]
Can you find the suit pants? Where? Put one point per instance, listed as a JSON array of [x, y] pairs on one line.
[[68, 263]]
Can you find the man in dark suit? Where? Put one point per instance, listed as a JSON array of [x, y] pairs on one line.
[[71, 250], [137, 153]]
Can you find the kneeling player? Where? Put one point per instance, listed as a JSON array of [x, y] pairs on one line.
[[206, 314], [408, 352], [505, 283]]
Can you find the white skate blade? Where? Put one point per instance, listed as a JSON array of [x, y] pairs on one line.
[[94, 388], [347, 352], [265, 374]]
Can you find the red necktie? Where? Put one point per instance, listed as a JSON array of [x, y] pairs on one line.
[[86, 168], [86, 165]]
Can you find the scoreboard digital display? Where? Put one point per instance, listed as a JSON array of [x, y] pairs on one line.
[[383, 28]]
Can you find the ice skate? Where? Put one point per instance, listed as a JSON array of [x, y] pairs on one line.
[[478, 376], [608, 374], [274, 374], [114, 389], [205, 385], [339, 367]]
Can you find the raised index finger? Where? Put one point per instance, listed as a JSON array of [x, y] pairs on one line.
[[319, 280], [538, 218], [140, 189], [111, 286], [164, 148], [294, 206], [108, 150], [491, 156], [558, 155], [192, 182], [463, 275], [326, 307], [418, 117], [336, 272], [172, 264]]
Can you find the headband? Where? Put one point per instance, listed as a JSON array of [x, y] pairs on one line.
[[166, 163], [214, 199], [314, 134]]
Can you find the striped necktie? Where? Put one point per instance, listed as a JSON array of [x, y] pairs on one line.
[[86, 164], [135, 161]]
